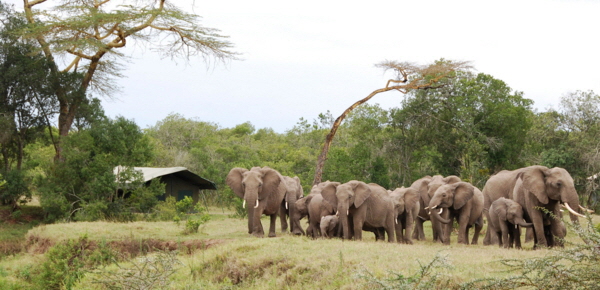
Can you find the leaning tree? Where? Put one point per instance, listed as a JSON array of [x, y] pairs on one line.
[[408, 77], [82, 38]]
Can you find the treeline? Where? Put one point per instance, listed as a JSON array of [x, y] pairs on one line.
[[469, 125]]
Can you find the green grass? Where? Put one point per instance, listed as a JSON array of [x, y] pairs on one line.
[[233, 259]]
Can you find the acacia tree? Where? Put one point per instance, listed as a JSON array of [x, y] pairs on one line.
[[408, 77], [88, 33]]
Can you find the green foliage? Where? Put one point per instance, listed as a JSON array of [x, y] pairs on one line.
[[573, 267], [166, 210], [185, 205], [15, 189], [427, 277], [67, 262], [83, 186]]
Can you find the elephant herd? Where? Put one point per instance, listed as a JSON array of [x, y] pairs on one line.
[[530, 197]]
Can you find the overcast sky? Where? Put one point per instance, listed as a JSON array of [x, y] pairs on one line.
[[302, 58]]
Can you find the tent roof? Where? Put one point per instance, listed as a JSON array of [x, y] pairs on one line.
[[181, 172]]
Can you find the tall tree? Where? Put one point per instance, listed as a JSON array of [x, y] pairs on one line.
[[409, 77], [88, 34]]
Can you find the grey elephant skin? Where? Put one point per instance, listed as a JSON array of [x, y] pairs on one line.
[[314, 207], [288, 206], [546, 188], [464, 202], [330, 226], [505, 221], [427, 187], [551, 185], [263, 190], [361, 206], [406, 208]]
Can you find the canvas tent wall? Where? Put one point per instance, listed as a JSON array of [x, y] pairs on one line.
[[179, 181]]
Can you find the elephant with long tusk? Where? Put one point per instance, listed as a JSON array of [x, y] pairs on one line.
[[264, 187], [538, 190]]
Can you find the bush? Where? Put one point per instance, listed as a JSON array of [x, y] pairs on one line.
[[67, 262]]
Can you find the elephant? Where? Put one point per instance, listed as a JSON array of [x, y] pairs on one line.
[[506, 218], [288, 206], [330, 226], [263, 189], [314, 207], [502, 184], [427, 187], [361, 205], [539, 188], [406, 205], [465, 203]]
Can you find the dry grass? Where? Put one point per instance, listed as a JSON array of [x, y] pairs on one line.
[[223, 255]]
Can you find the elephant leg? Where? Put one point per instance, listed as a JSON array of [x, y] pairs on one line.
[[419, 233], [487, 240], [409, 224], [477, 230], [538, 227], [272, 225], [529, 233], [517, 237], [504, 240], [358, 230], [283, 217]]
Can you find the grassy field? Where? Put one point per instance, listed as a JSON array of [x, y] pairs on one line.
[[223, 256]]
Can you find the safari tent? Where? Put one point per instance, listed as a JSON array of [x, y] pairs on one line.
[[179, 181]]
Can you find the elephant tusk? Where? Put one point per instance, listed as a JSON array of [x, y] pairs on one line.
[[256, 206], [286, 205], [586, 209], [337, 213], [441, 210], [427, 208], [347, 212], [396, 221], [244, 204], [434, 207], [515, 226], [572, 211]]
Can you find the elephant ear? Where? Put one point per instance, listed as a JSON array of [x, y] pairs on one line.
[[234, 181], [300, 190], [302, 204], [411, 197], [362, 191], [534, 181], [273, 183], [451, 179], [500, 208], [463, 192], [328, 193]]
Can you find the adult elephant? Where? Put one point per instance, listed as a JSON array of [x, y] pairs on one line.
[[427, 187], [406, 206], [361, 205], [555, 182], [506, 218], [263, 189], [464, 202], [288, 206], [539, 190]]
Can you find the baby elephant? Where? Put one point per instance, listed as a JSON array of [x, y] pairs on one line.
[[506, 216], [330, 226]]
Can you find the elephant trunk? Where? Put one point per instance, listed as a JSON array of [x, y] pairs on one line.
[[521, 222], [436, 214], [250, 212], [343, 215]]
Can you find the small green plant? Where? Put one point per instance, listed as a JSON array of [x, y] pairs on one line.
[[428, 277], [67, 262], [185, 205], [147, 272]]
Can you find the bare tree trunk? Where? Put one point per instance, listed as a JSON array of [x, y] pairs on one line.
[[323, 156]]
